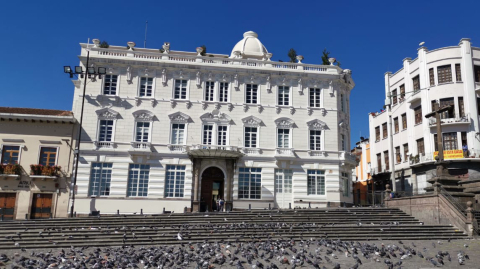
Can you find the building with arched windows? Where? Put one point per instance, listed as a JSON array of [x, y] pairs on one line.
[[172, 129], [403, 141]]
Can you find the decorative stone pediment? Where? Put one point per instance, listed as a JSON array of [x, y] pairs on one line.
[[143, 115], [284, 122], [107, 114], [317, 124], [216, 116], [251, 121], [179, 117]]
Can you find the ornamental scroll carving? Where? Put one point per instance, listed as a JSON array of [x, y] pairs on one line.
[[317, 124], [107, 114], [216, 116], [251, 121], [284, 123], [143, 115], [179, 117]]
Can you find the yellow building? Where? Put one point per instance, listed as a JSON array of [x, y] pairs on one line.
[[361, 172]]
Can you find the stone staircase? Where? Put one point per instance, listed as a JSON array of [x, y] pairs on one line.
[[300, 224]]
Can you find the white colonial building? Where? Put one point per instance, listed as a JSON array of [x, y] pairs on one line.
[[172, 129], [403, 140]]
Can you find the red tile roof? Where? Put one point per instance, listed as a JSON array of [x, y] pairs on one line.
[[35, 111]]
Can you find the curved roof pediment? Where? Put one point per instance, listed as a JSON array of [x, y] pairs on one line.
[[252, 121], [107, 114], [179, 117], [317, 124], [285, 122], [144, 115]]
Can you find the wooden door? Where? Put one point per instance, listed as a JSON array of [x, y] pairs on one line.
[[206, 193], [7, 205], [41, 206]]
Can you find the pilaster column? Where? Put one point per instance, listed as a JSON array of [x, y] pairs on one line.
[[197, 163], [426, 105]]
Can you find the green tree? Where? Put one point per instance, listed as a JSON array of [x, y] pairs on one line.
[[326, 56], [292, 54], [104, 44], [204, 52]]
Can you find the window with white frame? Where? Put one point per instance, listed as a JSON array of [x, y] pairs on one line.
[[146, 87], [138, 180], [175, 181], [283, 138], [283, 180], [105, 132], [251, 137], [142, 132], [10, 154], [178, 134], [223, 92], [209, 91], [316, 182], [345, 185], [207, 134], [180, 89], [48, 156], [251, 94], [250, 183], [315, 140], [222, 132], [110, 84], [100, 178], [283, 96], [314, 97]]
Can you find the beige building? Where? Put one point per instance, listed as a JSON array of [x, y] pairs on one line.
[[36, 162]]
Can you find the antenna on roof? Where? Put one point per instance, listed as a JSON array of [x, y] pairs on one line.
[[145, 42]]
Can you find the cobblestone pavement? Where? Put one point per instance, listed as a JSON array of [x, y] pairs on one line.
[[427, 248]]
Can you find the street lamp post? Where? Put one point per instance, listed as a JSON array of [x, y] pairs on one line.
[[88, 73]]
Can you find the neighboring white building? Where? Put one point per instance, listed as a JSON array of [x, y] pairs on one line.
[[172, 129], [403, 139]]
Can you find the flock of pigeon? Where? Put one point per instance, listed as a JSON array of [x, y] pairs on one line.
[[266, 254]]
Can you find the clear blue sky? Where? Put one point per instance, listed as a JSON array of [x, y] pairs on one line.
[[369, 37]]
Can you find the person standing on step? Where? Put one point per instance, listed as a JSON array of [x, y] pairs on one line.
[[221, 203]]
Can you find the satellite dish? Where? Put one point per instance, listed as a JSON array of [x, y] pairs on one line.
[[421, 43]]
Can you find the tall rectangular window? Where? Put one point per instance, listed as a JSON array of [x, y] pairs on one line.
[[110, 84], [431, 74], [420, 146], [138, 180], [146, 86], [250, 137], [342, 105], [283, 180], [444, 74], [464, 138], [394, 97], [10, 154], [222, 131], [314, 97], [342, 145], [418, 115], [105, 133], [283, 96], [405, 152], [283, 138], [387, 160], [379, 162], [251, 95], [223, 92], [476, 72], [100, 178], [450, 113], [395, 124], [461, 106], [398, 155], [48, 156], [404, 121], [175, 181], [180, 91], [209, 90], [377, 133], [207, 134], [345, 185], [315, 182], [249, 183], [402, 91], [143, 131], [178, 133], [450, 141], [384, 130], [416, 83], [458, 72], [315, 140]]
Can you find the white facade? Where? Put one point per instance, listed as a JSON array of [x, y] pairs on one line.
[[252, 118], [447, 76]]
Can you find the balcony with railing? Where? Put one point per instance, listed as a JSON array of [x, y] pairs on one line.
[[10, 171], [251, 151], [140, 147], [450, 121], [44, 172], [99, 145], [284, 152], [177, 148]]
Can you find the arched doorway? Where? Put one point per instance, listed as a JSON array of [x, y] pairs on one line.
[[212, 188]]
